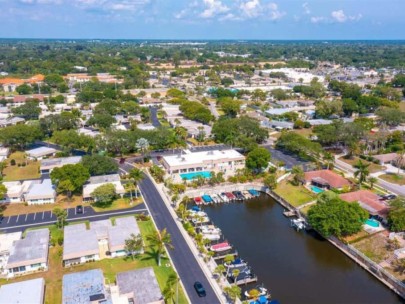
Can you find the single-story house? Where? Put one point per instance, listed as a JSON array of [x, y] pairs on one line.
[[40, 153], [6, 243], [96, 181], [138, 286], [12, 121], [47, 165], [101, 240], [386, 158], [24, 292], [325, 179], [84, 287], [215, 160], [43, 193], [368, 200], [278, 125], [30, 253], [4, 152]]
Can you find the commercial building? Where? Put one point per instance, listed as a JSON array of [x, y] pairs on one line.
[[25, 292], [226, 161], [29, 254]]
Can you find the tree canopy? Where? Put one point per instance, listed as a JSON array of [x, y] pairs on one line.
[[258, 158], [99, 164], [77, 175]]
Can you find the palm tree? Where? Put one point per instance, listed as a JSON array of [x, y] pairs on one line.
[[134, 244], [219, 270], [2, 166], [362, 171], [329, 158], [142, 144], [235, 274], [399, 161], [136, 176], [170, 292], [233, 292], [372, 180], [159, 240]]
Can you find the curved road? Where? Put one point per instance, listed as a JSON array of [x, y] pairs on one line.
[[186, 264]]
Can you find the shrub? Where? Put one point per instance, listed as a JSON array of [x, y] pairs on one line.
[[12, 162]]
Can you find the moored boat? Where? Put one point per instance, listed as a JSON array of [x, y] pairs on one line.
[[198, 200], [230, 196], [207, 199], [256, 292], [210, 229], [224, 197], [236, 263], [221, 247], [211, 237]]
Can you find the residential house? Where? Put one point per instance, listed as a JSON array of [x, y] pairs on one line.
[[368, 200], [47, 165], [218, 161], [4, 152], [6, 243], [11, 121], [43, 193], [30, 253], [387, 158], [326, 179], [137, 286], [96, 181], [40, 153], [24, 292], [85, 287]]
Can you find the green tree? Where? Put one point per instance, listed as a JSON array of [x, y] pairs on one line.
[[362, 171], [53, 80], [24, 89], [104, 195], [99, 164], [20, 136], [258, 158], [101, 120], [396, 214], [372, 180], [29, 110], [66, 186], [298, 175], [158, 240], [61, 216], [233, 292], [332, 216], [76, 174], [171, 289], [3, 191], [136, 176], [230, 107], [134, 245], [235, 274], [270, 181], [391, 117]]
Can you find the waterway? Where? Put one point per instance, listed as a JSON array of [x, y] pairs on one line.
[[297, 267]]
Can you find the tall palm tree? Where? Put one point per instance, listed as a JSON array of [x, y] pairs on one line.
[[136, 176], [399, 160], [372, 180], [298, 174], [171, 290], [235, 274], [159, 240], [362, 171], [142, 144], [329, 159]]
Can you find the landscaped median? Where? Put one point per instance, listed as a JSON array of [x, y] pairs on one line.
[[110, 267]]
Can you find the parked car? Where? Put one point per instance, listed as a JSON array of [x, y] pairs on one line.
[[200, 289], [122, 160], [390, 196], [79, 209]]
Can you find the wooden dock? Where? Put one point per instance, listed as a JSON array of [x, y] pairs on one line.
[[289, 213], [222, 256], [246, 281]]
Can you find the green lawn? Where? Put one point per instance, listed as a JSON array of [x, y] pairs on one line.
[[295, 195], [110, 267], [393, 178], [372, 168], [29, 171], [121, 203]]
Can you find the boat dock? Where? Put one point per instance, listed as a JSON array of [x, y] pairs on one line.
[[222, 255], [246, 281], [289, 213]]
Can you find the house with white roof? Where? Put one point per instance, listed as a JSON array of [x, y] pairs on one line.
[[43, 193], [226, 161], [40, 153], [47, 165], [6, 243], [16, 191], [24, 292]]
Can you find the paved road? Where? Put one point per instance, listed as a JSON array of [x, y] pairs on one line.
[[289, 160], [29, 220], [214, 110], [186, 264], [153, 114]]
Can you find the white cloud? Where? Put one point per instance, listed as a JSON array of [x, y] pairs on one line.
[[254, 9], [251, 8], [41, 1], [306, 8], [275, 13], [318, 19], [339, 16], [213, 8]]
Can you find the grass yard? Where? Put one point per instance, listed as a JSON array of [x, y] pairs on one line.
[[402, 106], [372, 168], [374, 247], [304, 132], [29, 171], [110, 267], [295, 195], [394, 178], [61, 202], [121, 203]]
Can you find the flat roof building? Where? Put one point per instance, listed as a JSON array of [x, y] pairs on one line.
[[96, 181], [84, 287], [43, 193], [215, 160], [41, 152], [48, 165], [30, 253], [24, 292], [139, 286]]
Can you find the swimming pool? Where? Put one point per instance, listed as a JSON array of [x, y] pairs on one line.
[[373, 223], [193, 175], [316, 189]]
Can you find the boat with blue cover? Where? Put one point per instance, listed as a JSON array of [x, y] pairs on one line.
[[253, 192], [236, 263], [207, 199]]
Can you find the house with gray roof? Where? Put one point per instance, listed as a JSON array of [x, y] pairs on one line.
[[138, 286], [101, 240], [24, 292], [43, 193], [47, 165], [84, 287], [40, 153], [29, 254], [96, 181]]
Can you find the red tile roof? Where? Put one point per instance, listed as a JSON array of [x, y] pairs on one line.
[[367, 200], [333, 179]]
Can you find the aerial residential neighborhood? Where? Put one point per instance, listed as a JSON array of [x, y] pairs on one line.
[[202, 152]]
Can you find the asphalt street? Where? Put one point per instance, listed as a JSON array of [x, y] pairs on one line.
[[153, 114], [186, 264], [289, 160], [29, 220]]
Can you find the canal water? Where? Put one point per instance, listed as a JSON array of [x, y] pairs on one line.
[[296, 267]]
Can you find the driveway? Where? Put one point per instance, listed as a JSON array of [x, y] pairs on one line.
[[288, 159], [186, 264]]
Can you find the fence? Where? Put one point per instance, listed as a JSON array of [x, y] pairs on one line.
[[379, 272]]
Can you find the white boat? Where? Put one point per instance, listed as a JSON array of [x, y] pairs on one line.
[[262, 292], [215, 198], [224, 197], [210, 229], [211, 237], [194, 213], [221, 247], [246, 194], [200, 220], [236, 263]]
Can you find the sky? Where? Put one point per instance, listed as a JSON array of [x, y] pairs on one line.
[[203, 19]]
